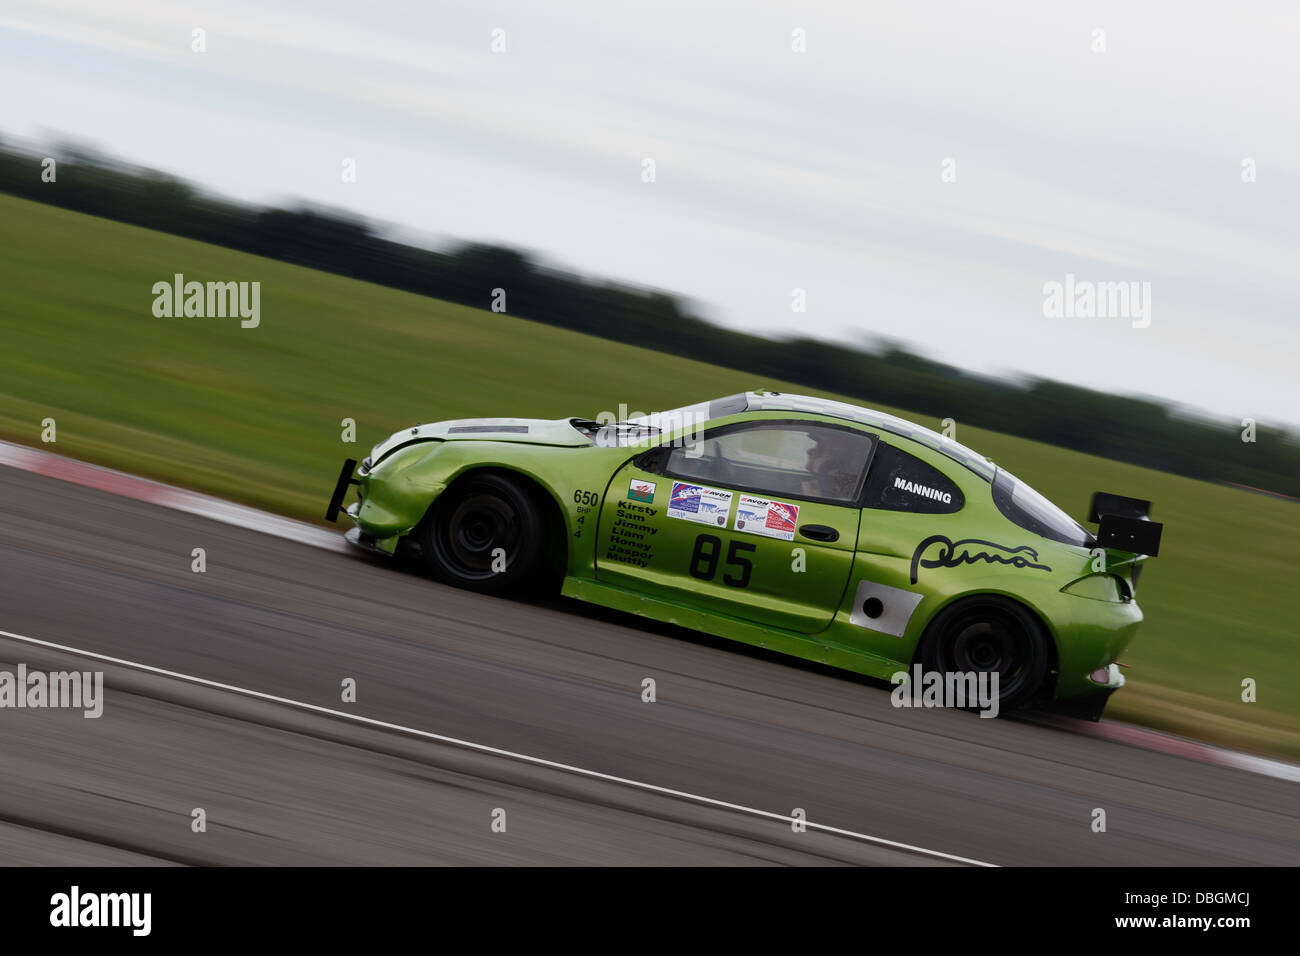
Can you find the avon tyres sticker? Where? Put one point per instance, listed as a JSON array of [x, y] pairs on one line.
[[698, 503], [772, 519]]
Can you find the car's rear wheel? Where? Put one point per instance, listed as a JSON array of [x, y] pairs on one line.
[[486, 533], [993, 635]]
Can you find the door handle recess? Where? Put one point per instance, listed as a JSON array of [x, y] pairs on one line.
[[819, 532]]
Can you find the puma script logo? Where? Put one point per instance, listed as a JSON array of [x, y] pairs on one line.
[[953, 554]]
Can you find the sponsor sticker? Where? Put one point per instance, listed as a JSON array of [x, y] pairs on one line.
[[698, 503], [772, 519], [639, 490]]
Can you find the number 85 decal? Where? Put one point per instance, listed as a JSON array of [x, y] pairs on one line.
[[704, 560]]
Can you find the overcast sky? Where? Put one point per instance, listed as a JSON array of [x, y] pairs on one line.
[[775, 169]]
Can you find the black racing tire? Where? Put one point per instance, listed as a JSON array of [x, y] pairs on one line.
[[475, 517], [990, 633]]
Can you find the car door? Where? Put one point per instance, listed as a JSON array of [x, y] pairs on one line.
[[758, 521], [906, 502]]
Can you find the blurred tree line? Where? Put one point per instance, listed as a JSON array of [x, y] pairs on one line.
[[1140, 431]]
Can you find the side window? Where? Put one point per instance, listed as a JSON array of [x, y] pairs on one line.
[[902, 482], [788, 459]]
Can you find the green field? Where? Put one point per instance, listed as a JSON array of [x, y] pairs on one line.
[[254, 415]]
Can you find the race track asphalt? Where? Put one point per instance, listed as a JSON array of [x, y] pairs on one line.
[[556, 681]]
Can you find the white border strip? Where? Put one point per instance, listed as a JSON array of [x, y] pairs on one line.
[[493, 751], [1157, 740], [126, 485]]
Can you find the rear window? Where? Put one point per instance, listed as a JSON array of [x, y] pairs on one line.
[[1027, 508], [902, 482]]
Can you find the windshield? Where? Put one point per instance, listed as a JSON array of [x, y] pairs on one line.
[[691, 416], [1031, 511], [622, 429]]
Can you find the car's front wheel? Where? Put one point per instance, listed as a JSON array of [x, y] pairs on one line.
[[993, 635], [486, 533]]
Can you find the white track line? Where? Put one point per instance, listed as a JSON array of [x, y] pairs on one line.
[[494, 751]]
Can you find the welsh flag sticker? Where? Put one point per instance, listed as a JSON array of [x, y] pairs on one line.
[[638, 490]]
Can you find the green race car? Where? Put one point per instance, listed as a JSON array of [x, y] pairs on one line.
[[811, 527]]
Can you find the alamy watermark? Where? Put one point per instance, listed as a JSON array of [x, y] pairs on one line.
[[77, 690], [211, 300], [639, 430], [1085, 299], [76, 909], [959, 689]]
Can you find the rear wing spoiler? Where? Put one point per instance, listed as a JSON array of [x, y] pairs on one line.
[[1125, 524]]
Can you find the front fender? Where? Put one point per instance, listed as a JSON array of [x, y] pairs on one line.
[[397, 494]]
